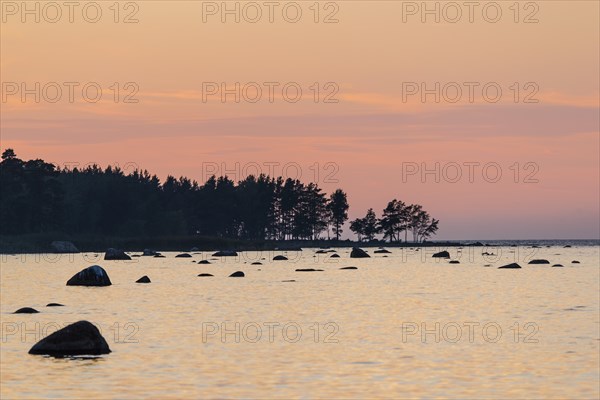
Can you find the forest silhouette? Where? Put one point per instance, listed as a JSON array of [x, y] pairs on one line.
[[39, 197]]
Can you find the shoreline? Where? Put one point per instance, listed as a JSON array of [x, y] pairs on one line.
[[41, 243]]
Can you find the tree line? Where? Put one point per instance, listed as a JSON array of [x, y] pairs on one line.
[[39, 197]]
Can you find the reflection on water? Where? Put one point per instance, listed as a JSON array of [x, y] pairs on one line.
[[402, 326]]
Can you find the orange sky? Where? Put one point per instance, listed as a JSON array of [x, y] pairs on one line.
[[373, 133]]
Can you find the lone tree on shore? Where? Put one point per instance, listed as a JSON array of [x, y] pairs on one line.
[[338, 208]]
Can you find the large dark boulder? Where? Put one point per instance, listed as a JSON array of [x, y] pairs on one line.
[[91, 276], [280, 258], [26, 310], [143, 279], [441, 254], [225, 253], [78, 339], [64, 247], [116, 254], [540, 261], [237, 274], [510, 266], [358, 253]]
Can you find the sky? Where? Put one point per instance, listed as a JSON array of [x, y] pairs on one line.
[[487, 115]]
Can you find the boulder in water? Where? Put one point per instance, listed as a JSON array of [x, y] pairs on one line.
[[348, 268], [78, 339], [308, 270], [454, 262], [382, 251], [539, 261], [334, 256], [510, 266], [183, 255], [205, 274], [237, 274], [63, 247], [203, 262], [159, 256], [357, 252], [575, 262], [557, 265], [143, 279], [26, 310], [441, 254], [116, 254], [225, 253], [280, 258], [91, 276], [149, 253], [256, 263], [54, 305]]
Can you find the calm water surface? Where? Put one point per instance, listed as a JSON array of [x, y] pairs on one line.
[[402, 326]]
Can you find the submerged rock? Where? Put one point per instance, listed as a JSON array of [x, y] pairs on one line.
[[382, 251], [26, 310], [237, 274], [308, 270], [567, 246], [290, 280], [334, 256], [357, 252], [63, 247], [183, 255], [205, 274], [225, 253], [441, 254], [454, 262], [91, 276], [510, 266], [143, 279], [149, 253], [575, 262], [78, 339], [280, 258], [116, 254], [349, 268], [256, 263], [204, 262], [159, 256], [539, 261], [54, 305], [557, 265]]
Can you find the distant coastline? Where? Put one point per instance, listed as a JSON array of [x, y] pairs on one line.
[[41, 243]]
